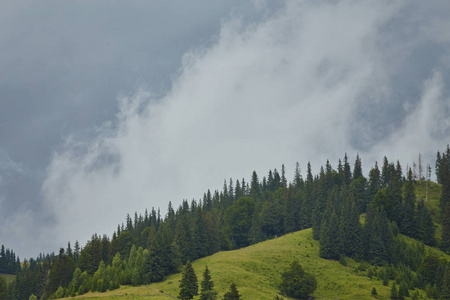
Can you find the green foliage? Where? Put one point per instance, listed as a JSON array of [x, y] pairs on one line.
[[297, 283], [378, 238], [61, 273], [3, 288], [374, 291], [32, 297], [445, 292], [188, 284], [252, 212], [59, 292], [232, 294], [428, 268], [394, 291], [207, 287], [238, 220]]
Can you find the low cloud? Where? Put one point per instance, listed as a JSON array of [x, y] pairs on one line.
[[289, 87]]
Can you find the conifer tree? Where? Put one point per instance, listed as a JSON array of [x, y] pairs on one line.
[[374, 184], [394, 292], [298, 181], [347, 174], [232, 294], [256, 234], [292, 211], [329, 237], [255, 190], [283, 177], [408, 225], [357, 169], [425, 226], [354, 243], [200, 235], [394, 193], [385, 172], [438, 168], [189, 283], [207, 287]]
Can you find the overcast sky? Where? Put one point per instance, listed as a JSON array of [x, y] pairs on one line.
[[107, 107]]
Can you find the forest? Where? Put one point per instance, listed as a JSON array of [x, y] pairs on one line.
[[351, 215]]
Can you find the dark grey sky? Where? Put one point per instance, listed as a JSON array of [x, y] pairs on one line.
[[114, 107]]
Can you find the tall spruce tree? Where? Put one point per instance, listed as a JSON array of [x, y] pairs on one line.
[[385, 172], [426, 229], [408, 225], [329, 237], [394, 194], [357, 168], [207, 287], [189, 283], [347, 174], [298, 181], [374, 184]]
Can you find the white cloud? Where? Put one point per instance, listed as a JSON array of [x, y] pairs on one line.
[[425, 130], [283, 90]]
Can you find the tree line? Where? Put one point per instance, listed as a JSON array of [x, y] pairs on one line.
[[9, 263], [147, 247]]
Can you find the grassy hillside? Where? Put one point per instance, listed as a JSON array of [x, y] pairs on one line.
[[256, 272], [9, 278]]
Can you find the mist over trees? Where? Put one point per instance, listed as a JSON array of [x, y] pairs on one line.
[[147, 247]]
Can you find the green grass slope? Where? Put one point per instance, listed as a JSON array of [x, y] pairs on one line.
[[256, 272], [8, 277]]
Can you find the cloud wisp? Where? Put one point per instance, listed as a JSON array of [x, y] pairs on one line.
[[289, 87]]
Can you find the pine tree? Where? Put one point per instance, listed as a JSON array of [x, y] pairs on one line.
[[283, 177], [357, 169], [408, 225], [394, 292], [298, 181], [374, 184], [207, 286], [385, 172], [425, 225], [189, 283], [256, 235], [255, 190], [347, 174], [394, 193], [329, 237], [200, 235], [232, 294]]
